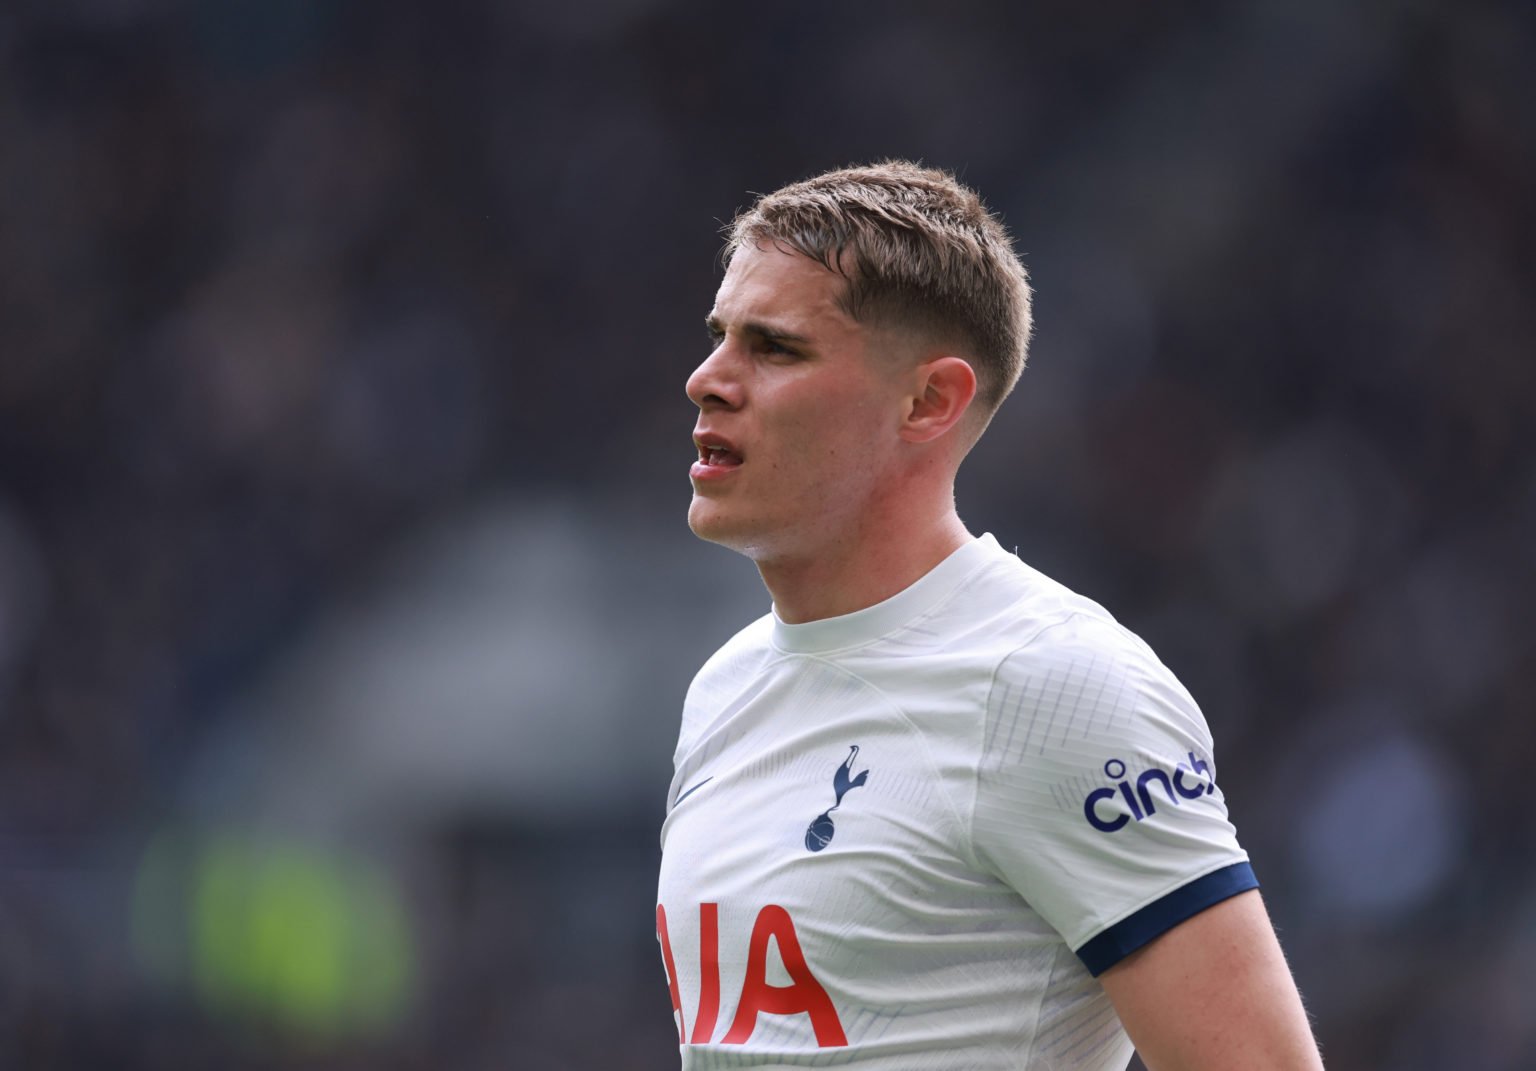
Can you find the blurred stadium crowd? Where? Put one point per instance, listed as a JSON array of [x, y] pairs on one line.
[[346, 602]]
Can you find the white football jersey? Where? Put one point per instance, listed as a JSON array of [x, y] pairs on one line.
[[909, 837]]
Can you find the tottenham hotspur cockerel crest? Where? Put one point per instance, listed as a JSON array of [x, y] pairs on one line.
[[819, 833]]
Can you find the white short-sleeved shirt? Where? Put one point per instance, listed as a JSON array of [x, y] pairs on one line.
[[909, 837]]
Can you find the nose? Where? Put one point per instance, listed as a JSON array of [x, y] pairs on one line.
[[715, 384]]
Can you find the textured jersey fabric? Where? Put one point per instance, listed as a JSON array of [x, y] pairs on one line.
[[909, 837]]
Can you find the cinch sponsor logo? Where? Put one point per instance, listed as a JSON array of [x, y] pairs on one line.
[[1185, 783]]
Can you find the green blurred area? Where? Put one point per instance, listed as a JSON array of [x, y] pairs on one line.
[[278, 933]]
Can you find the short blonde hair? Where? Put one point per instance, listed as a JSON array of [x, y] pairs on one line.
[[920, 252]]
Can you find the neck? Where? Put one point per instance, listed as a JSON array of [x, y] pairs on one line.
[[862, 565]]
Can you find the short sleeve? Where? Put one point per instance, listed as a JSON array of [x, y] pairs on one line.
[[1096, 793]]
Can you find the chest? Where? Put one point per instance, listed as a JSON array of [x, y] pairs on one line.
[[816, 864], [817, 793]]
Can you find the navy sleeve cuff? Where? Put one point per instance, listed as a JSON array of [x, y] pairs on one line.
[[1130, 933]]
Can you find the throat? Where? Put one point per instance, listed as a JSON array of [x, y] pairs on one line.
[[845, 577]]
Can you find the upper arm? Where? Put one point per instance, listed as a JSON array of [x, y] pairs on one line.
[[1214, 992], [1097, 800], [1097, 797]]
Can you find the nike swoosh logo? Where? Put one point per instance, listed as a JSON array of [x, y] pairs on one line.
[[692, 790]]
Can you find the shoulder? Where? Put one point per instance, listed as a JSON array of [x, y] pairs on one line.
[[737, 660], [1025, 623], [725, 674], [1050, 632], [1003, 604], [1080, 646], [1079, 688], [752, 643], [1097, 795]]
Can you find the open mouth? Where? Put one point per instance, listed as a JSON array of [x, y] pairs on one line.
[[719, 457], [718, 460], [717, 454]]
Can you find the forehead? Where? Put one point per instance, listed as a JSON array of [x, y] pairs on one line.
[[779, 286]]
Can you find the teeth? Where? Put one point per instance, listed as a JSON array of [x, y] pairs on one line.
[[716, 455]]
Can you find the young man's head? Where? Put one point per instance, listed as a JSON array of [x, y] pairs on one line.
[[870, 322], [921, 255]]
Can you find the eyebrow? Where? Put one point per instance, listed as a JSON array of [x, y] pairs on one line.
[[772, 334]]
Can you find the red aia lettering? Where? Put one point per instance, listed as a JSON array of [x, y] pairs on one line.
[[803, 996], [671, 965], [709, 974]]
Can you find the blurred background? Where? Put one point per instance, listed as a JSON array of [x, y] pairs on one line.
[[346, 600]]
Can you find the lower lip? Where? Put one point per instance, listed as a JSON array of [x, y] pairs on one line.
[[703, 472]]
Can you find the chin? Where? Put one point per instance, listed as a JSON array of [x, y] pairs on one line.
[[708, 520], [712, 521]]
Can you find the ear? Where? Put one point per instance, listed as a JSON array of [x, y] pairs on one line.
[[942, 392]]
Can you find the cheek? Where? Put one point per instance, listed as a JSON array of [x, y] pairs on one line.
[[844, 440], [829, 433]]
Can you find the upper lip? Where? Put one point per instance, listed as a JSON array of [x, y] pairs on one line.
[[706, 441]]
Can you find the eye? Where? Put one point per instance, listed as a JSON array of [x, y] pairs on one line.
[[773, 348]]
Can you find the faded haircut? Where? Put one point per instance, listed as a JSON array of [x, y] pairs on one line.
[[920, 252]]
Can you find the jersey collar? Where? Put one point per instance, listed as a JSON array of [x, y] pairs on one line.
[[872, 622]]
